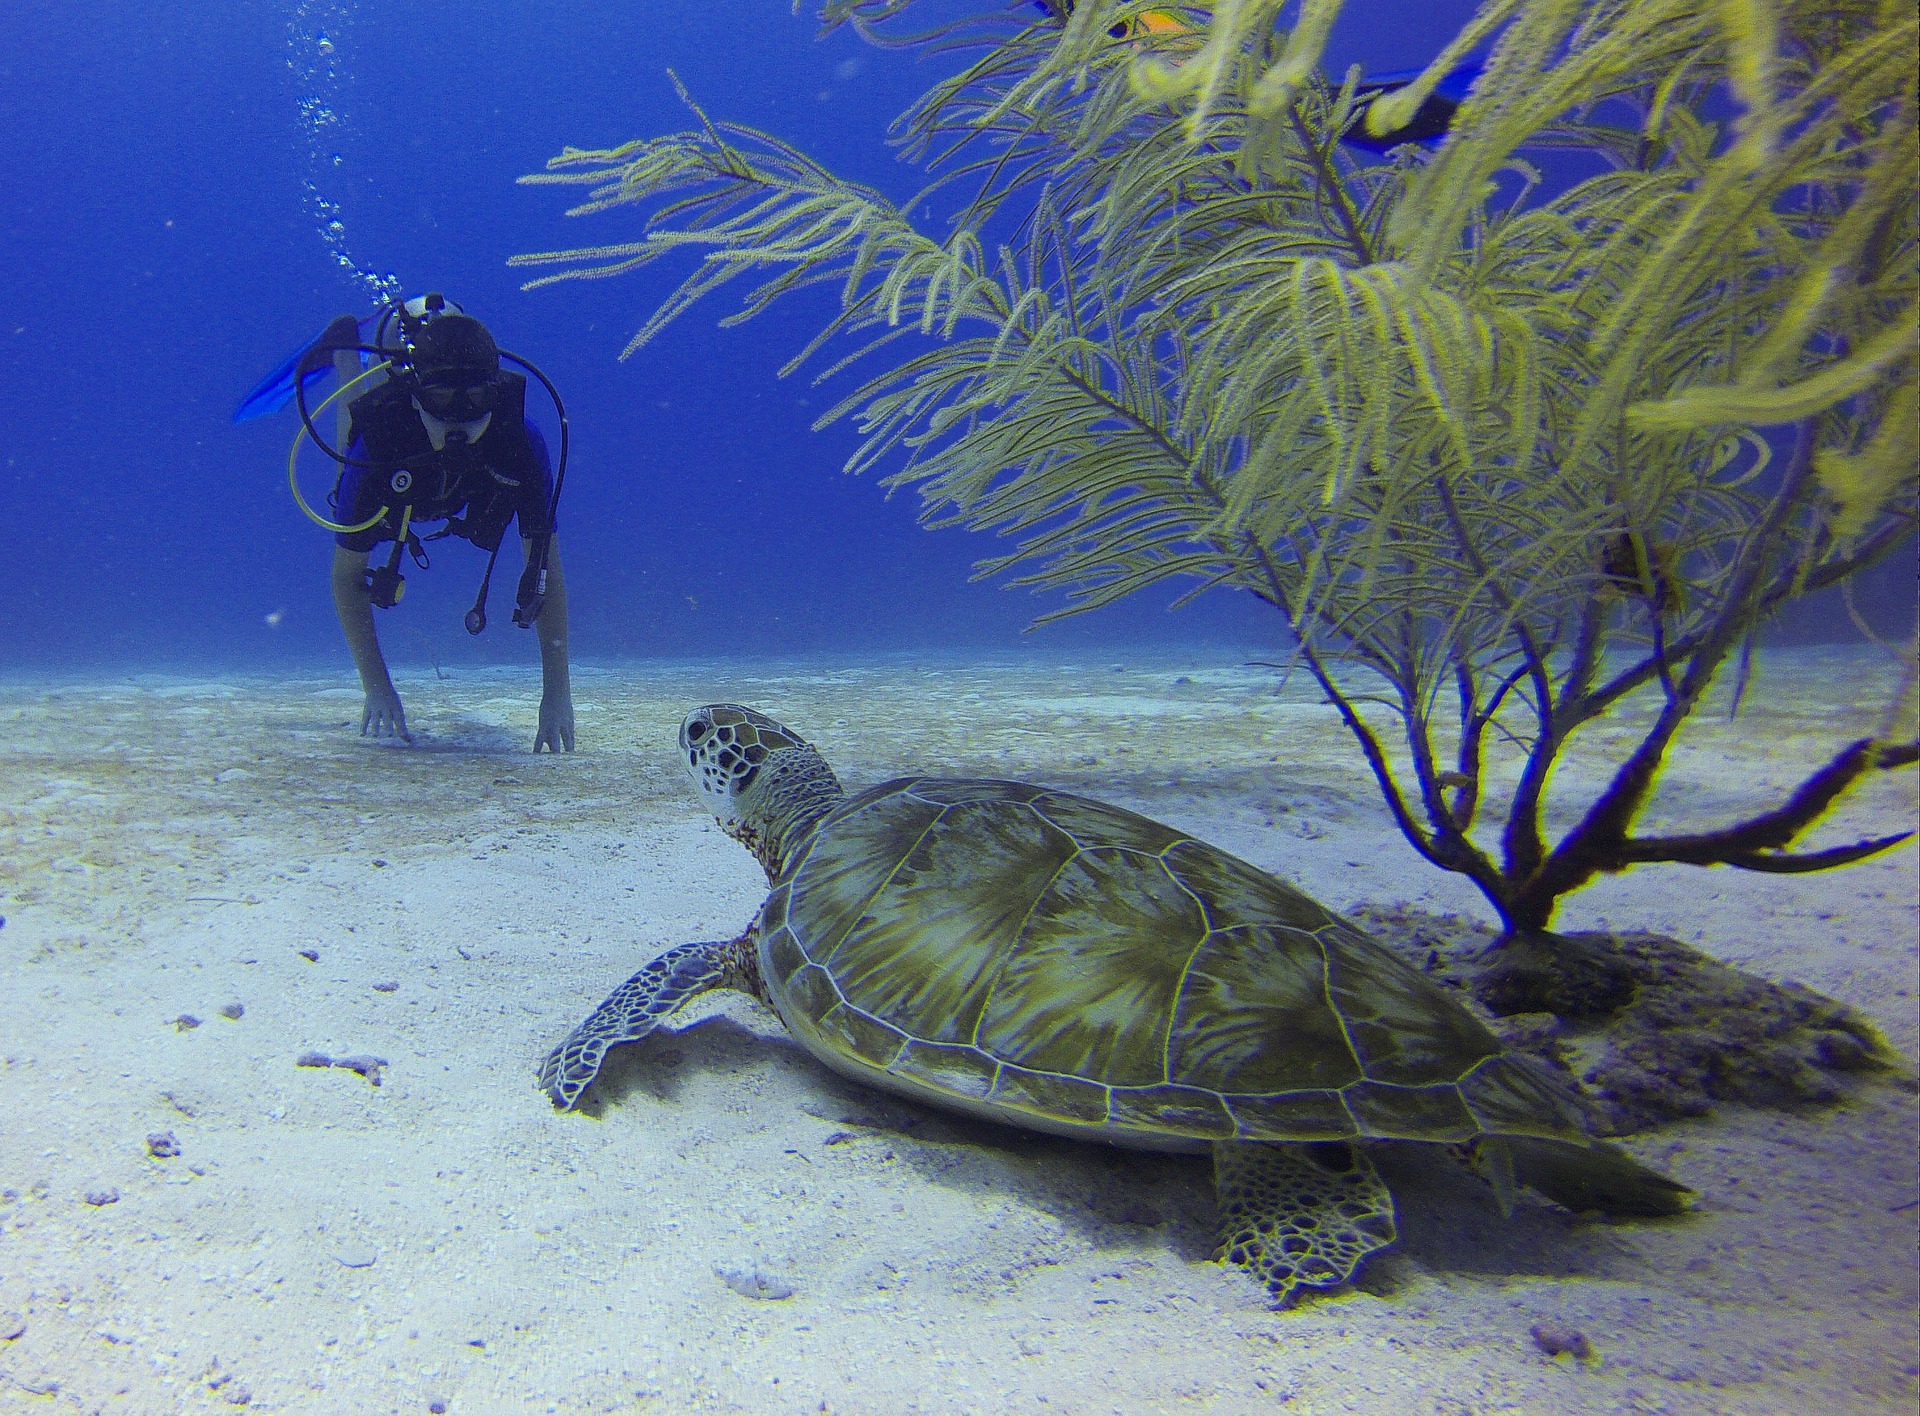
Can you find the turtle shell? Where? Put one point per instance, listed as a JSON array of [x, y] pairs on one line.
[[1055, 962]]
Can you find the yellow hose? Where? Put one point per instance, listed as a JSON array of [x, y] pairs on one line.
[[293, 458]]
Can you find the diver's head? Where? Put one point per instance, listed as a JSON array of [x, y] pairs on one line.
[[456, 368]]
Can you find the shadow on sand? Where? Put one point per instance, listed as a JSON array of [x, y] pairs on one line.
[[1114, 1199]]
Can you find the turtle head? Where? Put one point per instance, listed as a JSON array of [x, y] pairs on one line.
[[766, 786]]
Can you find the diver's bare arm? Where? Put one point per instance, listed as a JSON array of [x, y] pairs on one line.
[[356, 617], [552, 624], [383, 715], [556, 689]]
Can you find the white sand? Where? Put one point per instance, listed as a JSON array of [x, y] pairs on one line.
[[168, 844]]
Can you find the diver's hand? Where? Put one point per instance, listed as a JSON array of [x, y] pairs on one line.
[[556, 723], [383, 716]]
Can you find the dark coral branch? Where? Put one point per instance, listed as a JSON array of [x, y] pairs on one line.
[[1521, 843], [1681, 850], [1334, 189], [1753, 845], [1757, 844], [1595, 844]]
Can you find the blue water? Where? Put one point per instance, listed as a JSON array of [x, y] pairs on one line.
[[161, 255]]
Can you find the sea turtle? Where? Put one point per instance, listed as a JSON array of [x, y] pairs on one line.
[[1049, 961]]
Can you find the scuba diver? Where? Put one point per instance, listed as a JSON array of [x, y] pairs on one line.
[[442, 437]]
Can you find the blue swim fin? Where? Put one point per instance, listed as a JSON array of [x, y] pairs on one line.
[[275, 391]]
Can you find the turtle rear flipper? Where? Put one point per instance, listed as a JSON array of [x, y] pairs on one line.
[[1299, 1216], [633, 1010], [1594, 1176]]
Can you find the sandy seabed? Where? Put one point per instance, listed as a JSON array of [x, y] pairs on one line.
[[189, 846]]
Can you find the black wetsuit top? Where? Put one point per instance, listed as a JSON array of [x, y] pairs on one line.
[[478, 489]]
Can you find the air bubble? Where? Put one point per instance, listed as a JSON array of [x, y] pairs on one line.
[[317, 32]]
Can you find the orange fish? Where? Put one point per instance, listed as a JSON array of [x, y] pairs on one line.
[[1151, 23]]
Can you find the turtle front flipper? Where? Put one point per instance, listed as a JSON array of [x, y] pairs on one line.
[[1299, 1216], [635, 1009]]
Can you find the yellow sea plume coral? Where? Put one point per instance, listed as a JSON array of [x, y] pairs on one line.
[[1507, 450]]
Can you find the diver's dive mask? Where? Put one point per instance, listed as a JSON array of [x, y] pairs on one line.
[[456, 399]]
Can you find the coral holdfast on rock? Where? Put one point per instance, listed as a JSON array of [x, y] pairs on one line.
[[1657, 1029]]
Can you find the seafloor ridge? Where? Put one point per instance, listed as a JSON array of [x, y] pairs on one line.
[[191, 1219]]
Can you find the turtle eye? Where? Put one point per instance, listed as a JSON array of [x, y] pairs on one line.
[[696, 731]]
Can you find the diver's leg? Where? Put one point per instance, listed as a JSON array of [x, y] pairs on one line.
[[382, 715]]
